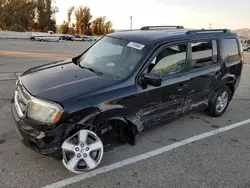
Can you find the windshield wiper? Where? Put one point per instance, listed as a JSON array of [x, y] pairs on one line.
[[90, 69], [76, 61]]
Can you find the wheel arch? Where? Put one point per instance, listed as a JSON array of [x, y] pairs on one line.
[[228, 80], [116, 114]]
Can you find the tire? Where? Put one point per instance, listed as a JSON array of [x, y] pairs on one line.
[[84, 146], [219, 97]]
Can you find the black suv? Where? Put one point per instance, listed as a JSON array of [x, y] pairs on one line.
[[124, 83]]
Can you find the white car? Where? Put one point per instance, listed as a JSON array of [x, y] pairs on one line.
[[47, 38], [88, 38], [76, 38]]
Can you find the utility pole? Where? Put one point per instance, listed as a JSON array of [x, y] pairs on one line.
[[210, 26], [131, 22]]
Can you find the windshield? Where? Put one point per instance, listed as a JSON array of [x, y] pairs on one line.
[[113, 56]]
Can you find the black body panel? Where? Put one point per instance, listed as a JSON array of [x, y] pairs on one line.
[[88, 97]]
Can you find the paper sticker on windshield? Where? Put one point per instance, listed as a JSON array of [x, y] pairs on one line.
[[135, 45]]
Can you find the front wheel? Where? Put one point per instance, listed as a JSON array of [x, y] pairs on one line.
[[82, 151], [219, 102]]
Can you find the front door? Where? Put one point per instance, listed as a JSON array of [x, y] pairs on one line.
[[161, 104]]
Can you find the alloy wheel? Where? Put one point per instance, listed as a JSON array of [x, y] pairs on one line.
[[82, 152], [222, 102]]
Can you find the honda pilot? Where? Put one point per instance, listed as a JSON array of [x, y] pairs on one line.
[[124, 83]]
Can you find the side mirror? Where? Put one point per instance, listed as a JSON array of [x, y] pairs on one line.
[[152, 79]]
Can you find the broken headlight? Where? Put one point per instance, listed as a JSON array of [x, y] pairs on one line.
[[43, 111]]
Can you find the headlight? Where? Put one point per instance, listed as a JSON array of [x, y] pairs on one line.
[[43, 111]]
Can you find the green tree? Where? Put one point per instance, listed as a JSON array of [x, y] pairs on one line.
[[22, 14], [45, 12]]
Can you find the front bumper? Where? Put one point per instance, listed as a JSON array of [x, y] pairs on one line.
[[46, 142]]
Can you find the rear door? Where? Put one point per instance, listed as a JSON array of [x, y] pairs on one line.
[[204, 69]]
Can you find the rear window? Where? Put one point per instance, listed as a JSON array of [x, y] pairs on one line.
[[231, 50]]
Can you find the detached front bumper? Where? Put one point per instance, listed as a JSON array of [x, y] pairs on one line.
[[45, 142]]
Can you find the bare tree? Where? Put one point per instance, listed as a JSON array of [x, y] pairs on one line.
[[70, 11]]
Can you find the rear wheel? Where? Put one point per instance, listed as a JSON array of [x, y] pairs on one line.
[[219, 101]]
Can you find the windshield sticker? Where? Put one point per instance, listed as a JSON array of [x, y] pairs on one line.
[[136, 45]]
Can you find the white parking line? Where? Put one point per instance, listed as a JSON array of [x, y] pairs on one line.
[[144, 156]]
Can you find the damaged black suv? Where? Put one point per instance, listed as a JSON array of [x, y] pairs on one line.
[[124, 83]]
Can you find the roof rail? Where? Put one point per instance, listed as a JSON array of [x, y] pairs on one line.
[[162, 27], [208, 31]]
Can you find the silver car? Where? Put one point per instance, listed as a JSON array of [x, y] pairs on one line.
[[47, 38]]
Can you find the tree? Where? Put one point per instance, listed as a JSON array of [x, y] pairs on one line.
[[70, 11], [108, 27], [22, 14], [45, 11], [101, 27], [98, 25], [64, 28], [83, 17]]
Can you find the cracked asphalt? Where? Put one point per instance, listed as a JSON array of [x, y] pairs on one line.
[[219, 161]]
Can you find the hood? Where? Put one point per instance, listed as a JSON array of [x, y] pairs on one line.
[[62, 80]]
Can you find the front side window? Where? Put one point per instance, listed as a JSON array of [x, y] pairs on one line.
[[171, 60], [231, 50], [204, 53], [112, 56]]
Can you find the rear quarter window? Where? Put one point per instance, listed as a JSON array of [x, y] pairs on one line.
[[231, 50]]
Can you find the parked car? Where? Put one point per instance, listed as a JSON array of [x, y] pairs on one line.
[[245, 44], [47, 38], [66, 37], [245, 48], [51, 36], [88, 38], [76, 38], [63, 37], [124, 83]]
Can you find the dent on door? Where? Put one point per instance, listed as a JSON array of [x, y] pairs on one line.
[[165, 103]]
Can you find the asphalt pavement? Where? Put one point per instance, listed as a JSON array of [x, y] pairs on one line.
[[221, 160]]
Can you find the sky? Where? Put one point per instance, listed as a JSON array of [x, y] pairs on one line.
[[189, 13]]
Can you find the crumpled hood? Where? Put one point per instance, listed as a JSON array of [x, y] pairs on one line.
[[62, 80]]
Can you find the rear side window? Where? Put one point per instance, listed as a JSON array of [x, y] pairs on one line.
[[204, 53], [231, 50]]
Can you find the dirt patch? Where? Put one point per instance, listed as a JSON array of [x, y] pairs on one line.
[[2, 141]]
